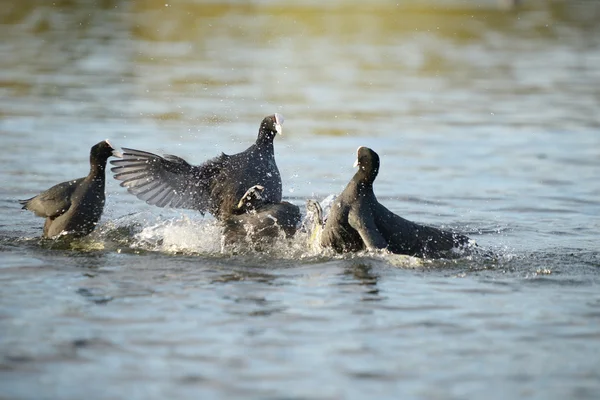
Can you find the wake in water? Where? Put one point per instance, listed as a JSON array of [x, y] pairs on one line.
[[193, 234], [188, 233]]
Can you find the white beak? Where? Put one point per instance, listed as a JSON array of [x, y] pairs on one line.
[[115, 153], [357, 151], [278, 122]]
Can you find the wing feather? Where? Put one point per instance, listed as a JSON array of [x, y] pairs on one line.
[[167, 181], [54, 201]]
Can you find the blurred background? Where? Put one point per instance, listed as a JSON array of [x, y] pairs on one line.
[[405, 65]]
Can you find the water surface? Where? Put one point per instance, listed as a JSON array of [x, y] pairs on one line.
[[486, 121]]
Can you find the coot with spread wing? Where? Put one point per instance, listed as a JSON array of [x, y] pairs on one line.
[[215, 186]]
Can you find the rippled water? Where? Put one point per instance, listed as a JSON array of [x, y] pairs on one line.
[[486, 121]]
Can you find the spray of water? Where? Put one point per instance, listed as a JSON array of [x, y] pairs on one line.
[[189, 233]]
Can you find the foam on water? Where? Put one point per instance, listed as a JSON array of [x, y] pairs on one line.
[[177, 233], [190, 233], [180, 235]]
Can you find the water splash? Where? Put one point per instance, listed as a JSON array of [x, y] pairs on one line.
[[181, 235], [191, 234], [188, 233], [175, 233]]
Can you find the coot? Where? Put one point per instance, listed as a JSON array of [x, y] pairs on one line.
[[74, 207], [215, 186], [357, 221]]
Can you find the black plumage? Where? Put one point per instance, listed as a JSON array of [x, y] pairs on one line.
[[259, 221], [74, 207], [357, 221], [215, 186]]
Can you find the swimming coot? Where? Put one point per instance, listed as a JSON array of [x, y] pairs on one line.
[[357, 221], [74, 207]]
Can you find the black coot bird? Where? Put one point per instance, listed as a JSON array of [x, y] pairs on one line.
[[258, 220], [74, 207], [215, 186], [357, 221]]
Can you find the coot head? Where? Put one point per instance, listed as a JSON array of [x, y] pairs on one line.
[[101, 151], [269, 127], [367, 162]]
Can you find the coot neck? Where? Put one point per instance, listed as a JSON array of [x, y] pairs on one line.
[[97, 167], [265, 141], [363, 185], [364, 188]]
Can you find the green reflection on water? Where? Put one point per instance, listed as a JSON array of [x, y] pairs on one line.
[[162, 53]]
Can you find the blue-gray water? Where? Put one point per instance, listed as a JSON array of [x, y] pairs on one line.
[[486, 121]]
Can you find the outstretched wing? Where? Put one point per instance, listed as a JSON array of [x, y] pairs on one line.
[[54, 201], [167, 181]]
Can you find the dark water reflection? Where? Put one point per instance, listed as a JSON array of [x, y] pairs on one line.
[[486, 121]]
